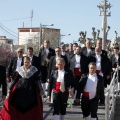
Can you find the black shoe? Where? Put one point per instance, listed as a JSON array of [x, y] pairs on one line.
[[50, 105], [101, 104], [76, 104], [44, 96]]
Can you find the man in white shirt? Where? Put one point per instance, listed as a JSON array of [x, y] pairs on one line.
[[90, 86], [60, 82], [103, 68], [45, 53], [87, 50], [14, 64], [115, 63], [99, 45], [79, 66], [34, 59]]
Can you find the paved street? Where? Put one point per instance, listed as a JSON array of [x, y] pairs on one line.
[[72, 114]]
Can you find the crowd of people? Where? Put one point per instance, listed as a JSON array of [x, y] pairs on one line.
[[86, 71]]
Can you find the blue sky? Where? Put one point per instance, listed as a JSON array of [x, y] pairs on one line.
[[71, 16]]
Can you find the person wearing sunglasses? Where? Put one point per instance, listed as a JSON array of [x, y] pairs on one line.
[[14, 64]]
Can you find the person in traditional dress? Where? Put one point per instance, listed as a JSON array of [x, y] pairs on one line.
[[23, 101]]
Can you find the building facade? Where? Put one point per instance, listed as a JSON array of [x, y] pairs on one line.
[[4, 40], [27, 36]]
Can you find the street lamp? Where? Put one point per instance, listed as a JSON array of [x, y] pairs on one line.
[[61, 35], [41, 26]]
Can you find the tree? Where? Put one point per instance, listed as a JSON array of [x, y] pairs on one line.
[[5, 54]]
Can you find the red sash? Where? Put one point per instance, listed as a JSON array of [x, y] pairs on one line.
[[86, 94], [57, 89], [77, 72], [97, 72]]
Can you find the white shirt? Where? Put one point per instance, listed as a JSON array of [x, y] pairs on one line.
[[77, 61], [60, 75], [74, 52], [63, 53], [88, 50], [19, 61], [47, 51], [91, 85], [61, 79], [31, 57], [57, 57], [116, 56], [98, 62]]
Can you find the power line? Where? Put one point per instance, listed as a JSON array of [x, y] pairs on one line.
[[13, 31], [15, 19], [8, 32], [8, 28], [4, 28]]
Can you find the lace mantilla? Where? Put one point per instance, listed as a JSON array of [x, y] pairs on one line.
[[27, 73]]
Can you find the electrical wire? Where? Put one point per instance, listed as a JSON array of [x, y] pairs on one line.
[[3, 27], [15, 19]]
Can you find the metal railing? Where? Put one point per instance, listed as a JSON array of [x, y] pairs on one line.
[[110, 98]]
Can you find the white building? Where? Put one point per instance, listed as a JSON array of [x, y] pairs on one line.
[[4, 40], [27, 35]]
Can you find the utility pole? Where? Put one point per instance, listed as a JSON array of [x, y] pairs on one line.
[[40, 40], [31, 17], [104, 13]]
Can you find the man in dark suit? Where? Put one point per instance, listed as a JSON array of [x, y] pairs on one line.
[[53, 59], [3, 81], [99, 45], [79, 66], [14, 64], [115, 63], [72, 49], [88, 50], [90, 86], [65, 54], [103, 68], [44, 56], [34, 59], [53, 63], [60, 82]]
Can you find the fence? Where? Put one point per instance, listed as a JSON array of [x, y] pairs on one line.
[[110, 98]]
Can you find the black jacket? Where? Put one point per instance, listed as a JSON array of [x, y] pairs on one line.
[[52, 64], [84, 51], [83, 81], [71, 53], [35, 62], [3, 80], [113, 60], [12, 67], [114, 64], [105, 64], [83, 64], [42, 53], [68, 80]]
